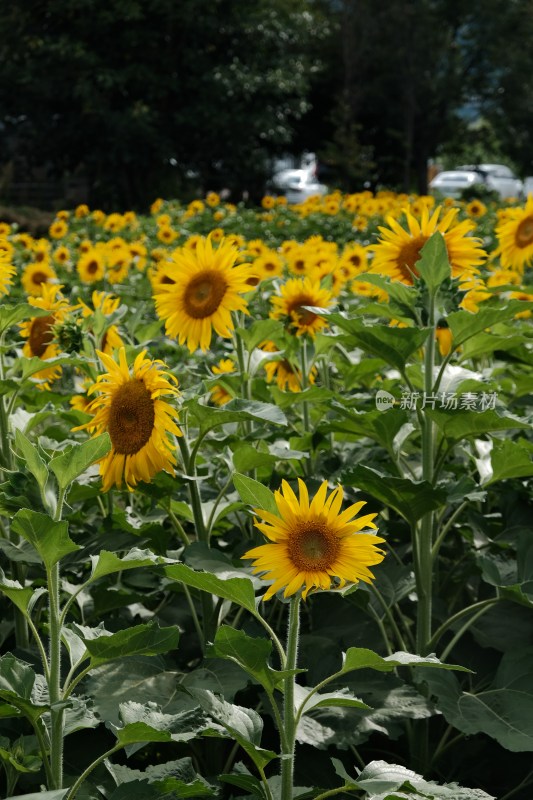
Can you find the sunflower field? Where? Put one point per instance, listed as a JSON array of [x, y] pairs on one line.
[[265, 501]]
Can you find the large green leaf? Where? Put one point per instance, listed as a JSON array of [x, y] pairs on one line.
[[509, 460], [147, 723], [108, 563], [252, 654], [464, 324], [361, 658], [411, 500], [393, 345], [238, 590], [50, 538], [383, 781], [209, 418], [242, 724], [31, 456], [459, 424], [259, 331], [20, 687], [255, 494], [75, 459], [434, 265], [148, 639], [12, 314], [21, 597]]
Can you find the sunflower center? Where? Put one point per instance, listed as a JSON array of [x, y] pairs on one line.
[[356, 260], [131, 417], [313, 547], [41, 334], [204, 294], [39, 277], [296, 306], [92, 267], [524, 232], [408, 256]]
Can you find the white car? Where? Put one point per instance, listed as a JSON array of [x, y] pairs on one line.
[[497, 177], [297, 184]]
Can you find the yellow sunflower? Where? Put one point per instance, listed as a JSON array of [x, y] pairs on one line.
[[207, 288], [219, 394], [131, 408], [91, 266], [354, 260], [38, 331], [58, 229], [269, 264], [7, 270], [313, 545], [106, 304], [295, 295], [515, 237], [286, 375], [476, 209], [398, 250], [37, 275]]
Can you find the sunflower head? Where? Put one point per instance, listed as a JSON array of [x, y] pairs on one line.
[[293, 304], [312, 544], [207, 286], [130, 405]]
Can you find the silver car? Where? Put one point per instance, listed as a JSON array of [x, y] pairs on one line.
[[497, 177]]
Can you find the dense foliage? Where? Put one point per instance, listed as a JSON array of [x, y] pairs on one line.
[[163, 395]]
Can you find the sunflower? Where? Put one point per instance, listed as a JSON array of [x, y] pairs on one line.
[[131, 408], [269, 264], [7, 270], [106, 304], [398, 250], [35, 276], [207, 288], [476, 209], [515, 237], [58, 229], [313, 546], [91, 266], [219, 394], [283, 372], [39, 332], [354, 260], [295, 295]]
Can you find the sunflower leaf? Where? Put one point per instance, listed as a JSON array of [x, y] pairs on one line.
[[11, 315], [465, 324], [393, 345], [254, 493], [234, 411], [361, 658], [74, 460], [250, 653], [238, 590], [434, 266], [33, 460], [147, 640], [49, 538]]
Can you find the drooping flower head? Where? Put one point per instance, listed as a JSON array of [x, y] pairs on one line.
[[129, 405], [398, 251], [208, 286], [313, 545], [515, 237]]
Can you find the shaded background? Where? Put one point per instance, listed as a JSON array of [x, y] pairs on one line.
[[116, 103]]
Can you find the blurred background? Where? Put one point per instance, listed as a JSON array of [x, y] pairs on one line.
[[116, 103]]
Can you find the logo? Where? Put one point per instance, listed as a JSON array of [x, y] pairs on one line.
[[384, 400]]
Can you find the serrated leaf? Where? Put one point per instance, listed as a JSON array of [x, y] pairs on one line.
[[465, 324], [361, 658], [108, 563], [238, 590], [148, 639], [341, 698], [409, 498], [33, 460], [509, 460], [259, 331], [75, 459], [393, 345], [378, 779], [252, 654], [49, 538], [242, 724], [458, 425], [20, 596], [17, 687], [12, 314], [209, 418], [255, 494]]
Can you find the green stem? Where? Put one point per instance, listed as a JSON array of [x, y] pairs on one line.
[[178, 527], [39, 731], [476, 607], [388, 613], [194, 491], [333, 792], [289, 717], [85, 774], [485, 605], [304, 366], [446, 527], [54, 684]]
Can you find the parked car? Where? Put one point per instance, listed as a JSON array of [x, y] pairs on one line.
[[297, 185], [498, 177]]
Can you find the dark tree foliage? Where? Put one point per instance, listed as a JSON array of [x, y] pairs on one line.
[[142, 94]]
